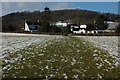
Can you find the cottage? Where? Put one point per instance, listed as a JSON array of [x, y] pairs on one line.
[[83, 28], [32, 26], [74, 28], [78, 29]]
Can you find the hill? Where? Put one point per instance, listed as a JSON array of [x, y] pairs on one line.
[[15, 21]]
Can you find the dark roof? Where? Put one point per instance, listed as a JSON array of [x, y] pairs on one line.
[[73, 24], [35, 23]]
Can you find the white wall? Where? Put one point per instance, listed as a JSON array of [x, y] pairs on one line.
[[26, 27], [63, 24], [83, 26]]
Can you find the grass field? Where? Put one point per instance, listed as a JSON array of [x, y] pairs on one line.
[[60, 57]]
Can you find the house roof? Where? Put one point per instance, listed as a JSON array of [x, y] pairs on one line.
[[35, 23], [117, 20], [73, 24], [112, 25]]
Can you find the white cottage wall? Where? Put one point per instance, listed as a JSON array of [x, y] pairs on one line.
[[26, 27]]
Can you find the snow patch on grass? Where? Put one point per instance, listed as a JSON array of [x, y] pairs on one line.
[[109, 43]]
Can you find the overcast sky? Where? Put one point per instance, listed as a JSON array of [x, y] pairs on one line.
[[9, 7]]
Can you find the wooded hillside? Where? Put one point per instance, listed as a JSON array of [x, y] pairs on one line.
[[15, 21]]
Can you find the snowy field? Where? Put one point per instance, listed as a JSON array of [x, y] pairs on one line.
[[12, 42], [109, 43], [20, 34], [50, 56], [7, 43]]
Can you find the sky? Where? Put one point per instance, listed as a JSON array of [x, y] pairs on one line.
[[104, 7], [60, 0]]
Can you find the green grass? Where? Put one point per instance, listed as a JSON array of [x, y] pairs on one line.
[[66, 57]]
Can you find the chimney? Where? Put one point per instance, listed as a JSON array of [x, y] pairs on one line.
[[38, 21]]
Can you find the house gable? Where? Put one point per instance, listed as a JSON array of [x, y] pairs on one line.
[[32, 26]]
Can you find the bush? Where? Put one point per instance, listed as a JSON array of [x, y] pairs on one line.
[[90, 27], [42, 29], [55, 29]]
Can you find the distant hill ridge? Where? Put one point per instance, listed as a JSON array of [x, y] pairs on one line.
[[73, 15]]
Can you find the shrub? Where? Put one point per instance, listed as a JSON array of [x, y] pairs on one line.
[[55, 29]]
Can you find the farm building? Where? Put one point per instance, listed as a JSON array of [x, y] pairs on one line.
[[111, 26], [31, 26], [61, 24], [83, 29], [78, 29]]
